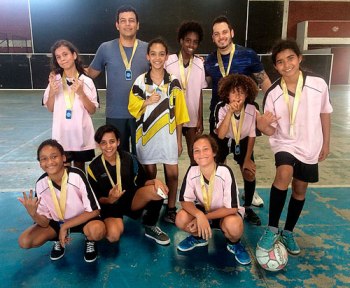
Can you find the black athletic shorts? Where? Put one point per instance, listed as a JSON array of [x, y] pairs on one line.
[[301, 171], [56, 226]]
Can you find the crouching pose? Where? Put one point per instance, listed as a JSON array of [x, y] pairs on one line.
[[64, 203], [209, 199], [122, 188]]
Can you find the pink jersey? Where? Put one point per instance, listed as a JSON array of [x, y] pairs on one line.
[[196, 83], [307, 141], [225, 193], [76, 134], [249, 123], [80, 196]]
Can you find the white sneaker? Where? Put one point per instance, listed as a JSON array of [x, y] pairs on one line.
[[257, 200]]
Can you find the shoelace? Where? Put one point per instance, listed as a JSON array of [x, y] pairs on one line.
[[57, 246], [239, 247], [157, 230], [90, 247]]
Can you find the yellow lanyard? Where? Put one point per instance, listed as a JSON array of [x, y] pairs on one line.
[[117, 168], [184, 79], [221, 64], [292, 110], [207, 193], [237, 132], [68, 96], [123, 54], [61, 206]]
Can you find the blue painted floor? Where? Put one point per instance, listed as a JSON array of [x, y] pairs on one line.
[[322, 233]]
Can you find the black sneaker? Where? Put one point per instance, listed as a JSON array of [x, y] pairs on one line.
[[155, 233], [57, 251], [252, 217], [90, 251]]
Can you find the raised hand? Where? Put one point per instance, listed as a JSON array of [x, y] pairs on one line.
[[153, 98], [78, 86], [54, 84], [30, 202], [115, 194]]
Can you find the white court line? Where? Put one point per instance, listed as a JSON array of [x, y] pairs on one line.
[[341, 126], [24, 144]]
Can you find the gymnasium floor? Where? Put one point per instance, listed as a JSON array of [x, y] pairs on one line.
[[322, 232]]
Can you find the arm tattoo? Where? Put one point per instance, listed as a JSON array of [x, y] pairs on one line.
[[260, 77]]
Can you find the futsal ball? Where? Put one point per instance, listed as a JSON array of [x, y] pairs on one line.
[[274, 260]]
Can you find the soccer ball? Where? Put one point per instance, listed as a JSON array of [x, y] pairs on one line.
[[274, 260]]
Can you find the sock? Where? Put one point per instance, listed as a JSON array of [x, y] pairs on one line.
[[249, 189], [171, 209], [294, 210], [232, 243], [151, 216], [277, 200]]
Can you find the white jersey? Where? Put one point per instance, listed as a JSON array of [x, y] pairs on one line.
[[307, 141]]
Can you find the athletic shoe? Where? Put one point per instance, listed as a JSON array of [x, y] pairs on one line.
[[241, 255], [155, 233], [90, 251], [57, 251], [268, 240], [287, 238], [170, 215], [257, 200], [251, 217], [191, 242]]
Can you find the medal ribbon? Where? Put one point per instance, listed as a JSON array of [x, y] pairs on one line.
[[117, 168], [184, 78], [68, 96], [221, 64], [207, 193], [292, 110], [123, 54], [61, 206], [237, 132]]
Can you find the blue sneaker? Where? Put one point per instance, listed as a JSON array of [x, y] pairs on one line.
[[241, 255], [268, 240], [190, 243], [287, 238]]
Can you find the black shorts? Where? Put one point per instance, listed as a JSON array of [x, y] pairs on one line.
[[223, 150], [214, 223], [56, 226], [243, 145], [121, 207], [79, 156], [227, 146], [301, 171]]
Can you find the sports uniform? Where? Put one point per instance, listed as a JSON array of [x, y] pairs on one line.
[[248, 130], [132, 177], [75, 134], [80, 197], [195, 83], [156, 139], [307, 141], [225, 191], [296, 142]]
